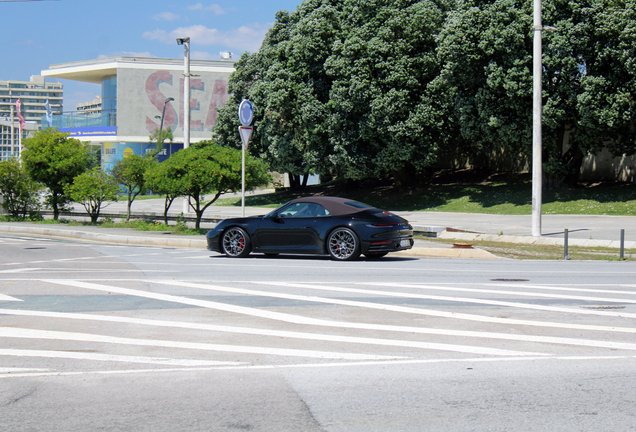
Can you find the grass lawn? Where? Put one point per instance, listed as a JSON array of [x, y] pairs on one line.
[[511, 197]]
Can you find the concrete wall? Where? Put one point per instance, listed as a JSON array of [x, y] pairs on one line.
[[141, 94]]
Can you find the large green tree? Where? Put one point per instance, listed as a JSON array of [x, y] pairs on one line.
[[588, 81], [288, 84], [375, 87], [485, 49], [384, 118], [54, 159], [208, 169], [602, 37]]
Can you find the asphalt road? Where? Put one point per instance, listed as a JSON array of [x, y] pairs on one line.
[[120, 338]]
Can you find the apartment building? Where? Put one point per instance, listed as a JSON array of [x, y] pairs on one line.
[[33, 95], [90, 107], [10, 139]]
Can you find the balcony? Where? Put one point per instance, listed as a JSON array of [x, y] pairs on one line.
[[73, 120]]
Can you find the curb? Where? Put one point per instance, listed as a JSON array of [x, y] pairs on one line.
[[168, 241], [535, 240]]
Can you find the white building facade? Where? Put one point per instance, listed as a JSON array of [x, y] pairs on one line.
[[134, 92]]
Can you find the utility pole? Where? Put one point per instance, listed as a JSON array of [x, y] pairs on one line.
[[537, 144], [186, 101]]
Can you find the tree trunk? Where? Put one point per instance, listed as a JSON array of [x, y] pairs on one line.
[[166, 207], [199, 214], [573, 159], [56, 209], [294, 181], [129, 205], [404, 178]]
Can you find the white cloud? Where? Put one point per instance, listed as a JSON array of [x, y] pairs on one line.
[[166, 16], [245, 38], [217, 9]]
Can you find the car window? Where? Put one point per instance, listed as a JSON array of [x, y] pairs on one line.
[[358, 204], [321, 211], [301, 209]]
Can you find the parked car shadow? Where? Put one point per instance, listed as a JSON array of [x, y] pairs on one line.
[[387, 258]]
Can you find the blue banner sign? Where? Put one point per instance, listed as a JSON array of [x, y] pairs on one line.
[[91, 131]]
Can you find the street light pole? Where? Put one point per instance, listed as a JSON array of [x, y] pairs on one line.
[[186, 100], [186, 90], [163, 114], [537, 171]]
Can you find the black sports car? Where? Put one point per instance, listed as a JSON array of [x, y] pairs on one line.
[[339, 227]]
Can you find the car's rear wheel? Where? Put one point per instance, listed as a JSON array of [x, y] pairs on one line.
[[236, 243], [375, 255], [343, 244]]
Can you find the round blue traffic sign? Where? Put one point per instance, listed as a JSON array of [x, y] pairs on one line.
[[246, 112]]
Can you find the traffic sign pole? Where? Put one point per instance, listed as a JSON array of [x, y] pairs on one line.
[[246, 115], [245, 133], [243, 181]]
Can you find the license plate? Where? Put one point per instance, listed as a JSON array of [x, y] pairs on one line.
[[405, 243]]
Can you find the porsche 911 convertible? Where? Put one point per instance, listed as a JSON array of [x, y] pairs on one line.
[[339, 227]]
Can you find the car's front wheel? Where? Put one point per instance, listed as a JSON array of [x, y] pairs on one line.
[[343, 244], [236, 243]]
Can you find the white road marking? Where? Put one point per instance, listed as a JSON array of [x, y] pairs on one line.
[[23, 333], [22, 270], [282, 317], [408, 295], [559, 288], [6, 298], [112, 358], [515, 293], [335, 338], [261, 313], [100, 270], [429, 312], [101, 262], [345, 339], [311, 321], [11, 370], [384, 364]]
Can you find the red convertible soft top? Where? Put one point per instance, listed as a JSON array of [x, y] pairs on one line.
[[337, 206]]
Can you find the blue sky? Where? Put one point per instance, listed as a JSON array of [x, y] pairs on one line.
[[37, 34]]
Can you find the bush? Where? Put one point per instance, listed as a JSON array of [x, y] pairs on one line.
[[19, 192]]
